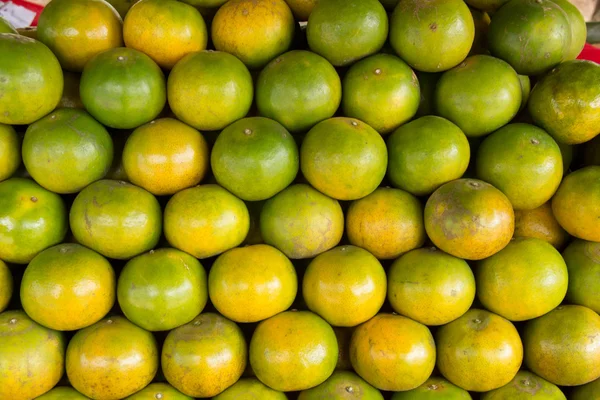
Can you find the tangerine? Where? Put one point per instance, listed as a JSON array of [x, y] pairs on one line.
[[342, 385], [10, 151], [159, 391], [251, 389], [526, 385], [434, 388], [583, 263], [6, 286]]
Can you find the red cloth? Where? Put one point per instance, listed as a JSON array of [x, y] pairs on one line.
[[590, 53]]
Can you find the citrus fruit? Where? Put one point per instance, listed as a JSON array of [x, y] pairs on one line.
[[486, 5], [387, 223], [563, 346], [540, 223], [525, 90], [302, 222], [345, 285], [67, 150], [68, 287], [255, 158], [342, 385], [343, 158], [31, 220], [469, 219], [432, 35], [6, 27], [552, 107], [480, 351], [430, 286], [427, 85], [344, 31], [392, 352], [6, 286], [162, 289], [532, 36], [206, 4], [70, 96], [116, 219], [32, 81], [524, 162], [165, 156], [123, 88], [164, 30], [586, 392], [576, 204], [525, 280], [525, 385], [250, 388], [111, 359], [301, 8], [426, 153], [294, 350], [77, 30], [159, 391], [298, 89], [583, 263], [255, 31], [62, 393], [252, 283], [578, 28], [10, 151], [434, 388], [205, 221], [205, 356], [122, 6], [480, 95], [382, 91], [31, 356], [343, 336], [209, 90]]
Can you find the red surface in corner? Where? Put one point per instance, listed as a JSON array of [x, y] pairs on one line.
[[590, 53]]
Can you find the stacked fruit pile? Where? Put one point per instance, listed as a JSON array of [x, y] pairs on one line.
[[402, 200]]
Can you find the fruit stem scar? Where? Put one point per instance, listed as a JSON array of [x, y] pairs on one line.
[[354, 123], [248, 131], [159, 396], [110, 321], [378, 71], [34, 199], [349, 389], [433, 387], [12, 321]]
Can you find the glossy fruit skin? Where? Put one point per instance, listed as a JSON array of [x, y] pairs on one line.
[[70, 96], [252, 283], [294, 350], [164, 30], [346, 286], [255, 158], [566, 102], [583, 263], [156, 391], [123, 88], [540, 223], [77, 30], [524, 162], [298, 89], [34, 355], [578, 28], [525, 280], [205, 356], [165, 156], [344, 31], [432, 36], [250, 388], [430, 286], [531, 35], [576, 206], [67, 150], [387, 223], [526, 385], [386, 362], [6, 27], [209, 90], [479, 351], [525, 90], [342, 385], [426, 153], [111, 359], [435, 388], [301, 8], [563, 346], [469, 219], [162, 289], [480, 95], [343, 158], [6, 285], [31, 220], [205, 221], [382, 91], [33, 81], [68, 287], [10, 151], [101, 218], [62, 393], [588, 391], [302, 222]]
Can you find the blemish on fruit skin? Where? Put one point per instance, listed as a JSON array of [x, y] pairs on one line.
[[433, 27]]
